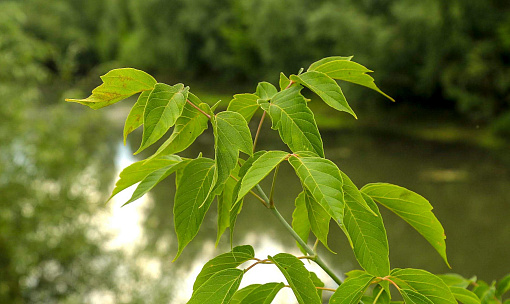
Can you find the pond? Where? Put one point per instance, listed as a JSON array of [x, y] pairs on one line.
[[468, 187]]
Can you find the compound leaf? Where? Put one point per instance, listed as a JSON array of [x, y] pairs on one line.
[[232, 259], [425, 283], [231, 134], [503, 286], [136, 172], [135, 116], [219, 289], [265, 90], [322, 178], [243, 293], [117, 85], [298, 278], [300, 222], [464, 296], [284, 81], [322, 61], [351, 290], [414, 209], [262, 294], [164, 106], [192, 200], [319, 219], [244, 104], [154, 178], [366, 231], [349, 71], [187, 128], [326, 88], [294, 121], [259, 169], [412, 297]]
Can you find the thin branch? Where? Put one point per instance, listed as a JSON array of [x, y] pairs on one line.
[[258, 130], [324, 288], [200, 110]]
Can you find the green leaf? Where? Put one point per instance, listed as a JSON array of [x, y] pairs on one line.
[[294, 121], [413, 297], [225, 201], [421, 281], [265, 90], [322, 178], [349, 71], [464, 296], [366, 231], [232, 259], [284, 81], [187, 128], [318, 63], [317, 283], [192, 192], [453, 279], [118, 84], [243, 293], [380, 295], [503, 286], [259, 169], [298, 278], [300, 222], [231, 134], [219, 289], [326, 88], [164, 106], [319, 219], [244, 104], [263, 294], [414, 209], [351, 290], [135, 117], [154, 178], [136, 172]]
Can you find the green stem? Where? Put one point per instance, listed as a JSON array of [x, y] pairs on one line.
[[317, 258]]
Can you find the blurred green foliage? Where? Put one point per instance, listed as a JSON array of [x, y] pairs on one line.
[[447, 54]]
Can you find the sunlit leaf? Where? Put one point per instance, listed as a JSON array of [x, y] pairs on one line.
[[225, 200], [259, 169], [414, 209], [135, 117], [294, 121], [464, 296], [232, 259], [243, 293], [187, 128], [192, 192], [265, 90], [262, 294], [244, 104], [300, 222], [413, 297], [154, 178], [231, 134], [164, 106], [349, 71], [453, 279], [317, 283], [366, 231], [319, 219], [351, 290], [322, 61], [425, 283], [322, 178], [118, 84], [219, 289], [298, 278], [136, 172], [326, 88], [284, 81]]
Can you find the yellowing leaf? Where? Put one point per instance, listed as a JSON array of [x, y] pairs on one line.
[[118, 84]]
